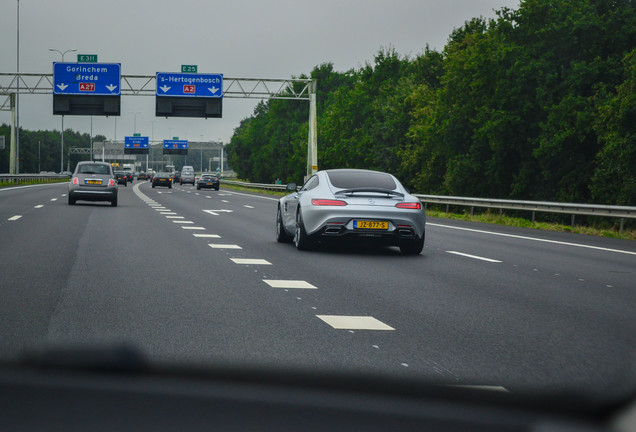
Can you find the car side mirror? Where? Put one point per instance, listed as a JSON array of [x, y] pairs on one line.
[[291, 187]]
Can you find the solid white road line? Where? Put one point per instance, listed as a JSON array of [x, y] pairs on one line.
[[343, 322], [474, 256], [299, 284], [533, 239]]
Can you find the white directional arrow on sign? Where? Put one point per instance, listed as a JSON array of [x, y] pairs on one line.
[[165, 88], [62, 86], [111, 87], [213, 89], [214, 212]]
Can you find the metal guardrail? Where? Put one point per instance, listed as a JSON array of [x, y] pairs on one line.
[[622, 212]]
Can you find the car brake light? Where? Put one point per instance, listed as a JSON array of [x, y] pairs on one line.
[[327, 202], [75, 180], [411, 205], [111, 182]]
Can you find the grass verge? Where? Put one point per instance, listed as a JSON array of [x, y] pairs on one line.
[[31, 182]]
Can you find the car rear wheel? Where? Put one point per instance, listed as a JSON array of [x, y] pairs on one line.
[[153, 185], [301, 239], [113, 202], [170, 187], [281, 234], [412, 247], [71, 201]]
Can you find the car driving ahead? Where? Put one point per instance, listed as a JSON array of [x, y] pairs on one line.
[[121, 178], [351, 204], [162, 179], [208, 181], [93, 181]]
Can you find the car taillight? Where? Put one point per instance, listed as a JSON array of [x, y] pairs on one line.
[[75, 180], [411, 206], [327, 202], [111, 182]]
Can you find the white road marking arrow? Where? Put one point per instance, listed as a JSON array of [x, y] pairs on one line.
[[213, 89], [62, 86], [111, 87], [214, 212], [165, 88]]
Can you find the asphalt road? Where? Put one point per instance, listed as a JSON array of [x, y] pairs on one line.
[[482, 305]]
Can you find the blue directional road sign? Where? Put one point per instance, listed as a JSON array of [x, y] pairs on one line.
[[136, 142], [175, 144], [190, 85], [102, 79]]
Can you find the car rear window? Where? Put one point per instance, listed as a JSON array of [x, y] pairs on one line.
[[357, 179], [93, 169]]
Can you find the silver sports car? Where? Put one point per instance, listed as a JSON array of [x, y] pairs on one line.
[[351, 204]]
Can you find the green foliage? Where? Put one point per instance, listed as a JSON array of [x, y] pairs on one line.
[[48, 144]]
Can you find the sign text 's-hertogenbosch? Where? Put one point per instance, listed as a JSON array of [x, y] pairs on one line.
[[81, 78], [190, 85]]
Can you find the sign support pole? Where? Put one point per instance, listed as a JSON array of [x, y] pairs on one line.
[[12, 151], [312, 150]]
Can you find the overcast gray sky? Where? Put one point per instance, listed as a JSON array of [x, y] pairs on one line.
[[238, 38]]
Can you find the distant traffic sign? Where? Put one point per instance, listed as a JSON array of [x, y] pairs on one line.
[[87, 58], [190, 85], [82, 79], [136, 145], [175, 144], [136, 142], [176, 147]]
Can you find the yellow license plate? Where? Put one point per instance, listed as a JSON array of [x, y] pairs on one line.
[[365, 224], [93, 182]]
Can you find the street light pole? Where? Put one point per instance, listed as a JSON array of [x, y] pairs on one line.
[[17, 97], [62, 145]]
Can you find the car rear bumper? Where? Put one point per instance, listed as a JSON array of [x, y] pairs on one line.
[[105, 194]]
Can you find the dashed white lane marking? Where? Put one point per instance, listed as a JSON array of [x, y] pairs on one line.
[[225, 201], [182, 222], [482, 387], [196, 193], [53, 199], [216, 212], [175, 217], [344, 322], [473, 256], [63, 195], [250, 261], [15, 218], [167, 213], [289, 284], [208, 196], [533, 239], [224, 246], [248, 206], [206, 235], [193, 228], [39, 206]]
